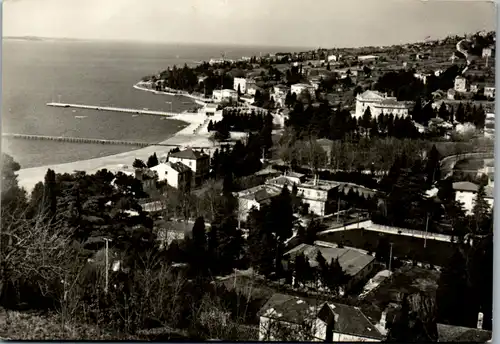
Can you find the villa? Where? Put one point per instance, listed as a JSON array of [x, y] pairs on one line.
[[379, 103]]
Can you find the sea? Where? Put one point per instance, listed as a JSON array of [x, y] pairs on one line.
[[35, 72]]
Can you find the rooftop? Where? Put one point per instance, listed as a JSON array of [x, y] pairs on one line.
[[351, 261], [346, 319], [190, 154], [259, 193], [179, 167], [449, 333], [471, 187]]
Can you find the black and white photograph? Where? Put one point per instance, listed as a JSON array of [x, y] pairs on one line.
[[235, 170]]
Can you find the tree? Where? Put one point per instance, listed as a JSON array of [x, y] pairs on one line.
[[13, 197], [481, 212], [460, 114], [50, 194], [152, 161], [138, 163], [261, 243], [432, 167], [366, 120]]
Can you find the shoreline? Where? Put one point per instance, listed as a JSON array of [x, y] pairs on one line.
[[190, 135]]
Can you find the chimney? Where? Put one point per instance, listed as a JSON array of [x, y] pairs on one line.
[[480, 320], [383, 319]]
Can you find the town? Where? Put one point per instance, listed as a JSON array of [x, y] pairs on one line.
[[345, 195]]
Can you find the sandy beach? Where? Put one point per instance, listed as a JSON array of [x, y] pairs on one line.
[[195, 134]]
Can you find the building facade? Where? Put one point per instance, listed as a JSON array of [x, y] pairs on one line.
[[379, 103], [176, 174], [240, 83], [466, 192], [460, 84], [225, 95], [198, 163], [489, 92], [297, 89]]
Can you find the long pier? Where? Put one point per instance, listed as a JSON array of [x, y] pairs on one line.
[[89, 140], [114, 109]]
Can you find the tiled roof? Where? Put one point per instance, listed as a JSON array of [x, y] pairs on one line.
[[351, 261], [465, 186], [179, 167], [369, 94], [259, 193], [346, 319], [449, 333], [189, 153]]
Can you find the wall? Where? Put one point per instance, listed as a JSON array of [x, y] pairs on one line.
[[172, 177], [340, 337], [244, 208]]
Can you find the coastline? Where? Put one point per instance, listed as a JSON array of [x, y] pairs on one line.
[[194, 134]]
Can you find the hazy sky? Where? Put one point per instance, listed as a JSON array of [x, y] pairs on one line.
[[298, 23]]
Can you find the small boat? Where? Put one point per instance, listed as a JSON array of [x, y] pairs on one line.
[[74, 111], [135, 115], [80, 117]]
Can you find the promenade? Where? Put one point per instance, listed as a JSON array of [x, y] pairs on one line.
[[114, 109], [190, 136]]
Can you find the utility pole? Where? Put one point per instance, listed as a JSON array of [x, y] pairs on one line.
[[107, 263], [338, 207], [390, 258], [426, 228]]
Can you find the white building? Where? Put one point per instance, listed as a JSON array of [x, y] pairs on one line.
[[240, 83], [225, 95], [460, 84], [379, 103], [422, 77], [366, 58], [486, 52], [292, 318], [198, 163], [317, 194], [254, 198], [465, 192], [489, 92], [331, 58], [176, 174], [299, 88]]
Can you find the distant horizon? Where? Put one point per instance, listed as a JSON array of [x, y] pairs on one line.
[[265, 23], [263, 45]]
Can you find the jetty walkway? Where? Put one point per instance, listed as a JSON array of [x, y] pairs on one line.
[[115, 109], [90, 140]]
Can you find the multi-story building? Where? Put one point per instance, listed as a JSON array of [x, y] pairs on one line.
[[379, 103], [319, 195], [241, 84], [254, 197], [292, 318], [299, 88], [225, 95], [198, 163], [489, 91], [176, 174], [466, 192], [460, 84]]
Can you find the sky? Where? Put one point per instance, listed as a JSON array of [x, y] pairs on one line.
[[293, 23]]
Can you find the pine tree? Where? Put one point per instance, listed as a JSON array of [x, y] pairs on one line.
[[152, 161], [432, 168], [460, 114], [481, 211], [443, 112], [50, 194], [138, 163]]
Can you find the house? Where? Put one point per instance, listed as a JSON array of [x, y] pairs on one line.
[[465, 192], [225, 95], [460, 84], [451, 94], [168, 231], [451, 333], [422, 76], [474, 88], [297, 89], [379, 103], [281, 90], [254, 198], [210, 109], [147, 177], [197, 161], [489, 91], [318, 194], [331, 58], [292, 318], [176, 174], [240, 84], [357, 265], [367, 58], [486, 52]]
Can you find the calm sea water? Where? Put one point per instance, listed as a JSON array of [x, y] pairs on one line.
[[94, 73]]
